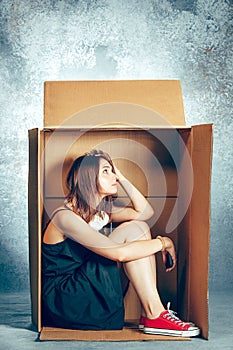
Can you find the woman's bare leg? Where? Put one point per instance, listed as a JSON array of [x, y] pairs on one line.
[[141, 272]]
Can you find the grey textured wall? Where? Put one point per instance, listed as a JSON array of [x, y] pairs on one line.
[[112, 39]]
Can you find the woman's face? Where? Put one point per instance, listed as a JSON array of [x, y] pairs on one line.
[[107, 181]]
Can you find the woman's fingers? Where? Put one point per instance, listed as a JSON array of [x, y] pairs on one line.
[[169, 255]]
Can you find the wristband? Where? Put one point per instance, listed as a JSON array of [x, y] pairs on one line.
[[162, 241]]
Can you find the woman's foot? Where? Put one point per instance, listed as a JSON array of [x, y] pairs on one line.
[[168, 324]]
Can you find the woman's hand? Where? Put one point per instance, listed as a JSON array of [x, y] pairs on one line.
[[139, 210], [169, 248], [119, 175]]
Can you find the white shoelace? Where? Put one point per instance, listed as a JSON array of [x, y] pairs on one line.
[[173, 318]]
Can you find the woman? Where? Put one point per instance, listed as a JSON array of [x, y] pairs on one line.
[[81, 284]]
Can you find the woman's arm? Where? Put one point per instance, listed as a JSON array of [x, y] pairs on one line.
[[77, 229], [141, 210]]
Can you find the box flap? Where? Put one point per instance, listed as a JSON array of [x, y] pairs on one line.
[[34, 224], [201, 152], [140, 102]]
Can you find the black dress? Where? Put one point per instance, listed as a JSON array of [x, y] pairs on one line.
[[80, 289]]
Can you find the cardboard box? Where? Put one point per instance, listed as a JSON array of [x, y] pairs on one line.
[[142, 125]]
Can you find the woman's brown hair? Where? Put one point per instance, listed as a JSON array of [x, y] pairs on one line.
[[82, 184]]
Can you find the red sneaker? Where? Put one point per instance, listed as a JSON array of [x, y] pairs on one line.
[[169, 324]]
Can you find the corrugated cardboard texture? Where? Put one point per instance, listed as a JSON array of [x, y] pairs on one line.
[[64, 99]]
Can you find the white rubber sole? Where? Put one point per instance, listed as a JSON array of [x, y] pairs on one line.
[[191, 333]]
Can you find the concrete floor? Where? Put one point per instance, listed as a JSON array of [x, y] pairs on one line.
[[16, 331]]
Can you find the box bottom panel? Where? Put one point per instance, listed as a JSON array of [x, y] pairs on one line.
[[129, 333]]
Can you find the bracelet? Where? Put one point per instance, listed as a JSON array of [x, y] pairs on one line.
[[162, 241]]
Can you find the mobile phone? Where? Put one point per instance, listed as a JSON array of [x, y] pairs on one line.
[[169, 262]]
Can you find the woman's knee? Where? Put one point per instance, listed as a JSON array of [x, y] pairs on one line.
[[139, 231], [131, 231]]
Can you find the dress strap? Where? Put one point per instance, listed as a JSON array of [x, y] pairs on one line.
[[52, 216], [57, 211]]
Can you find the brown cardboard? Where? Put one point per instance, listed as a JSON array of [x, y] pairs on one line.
[[127, 334], [187, 286], [65, 99], [35, 215], [67, 145], [200, 216], [197, 224]]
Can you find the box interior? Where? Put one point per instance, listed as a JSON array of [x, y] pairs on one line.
[[153, 172]]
